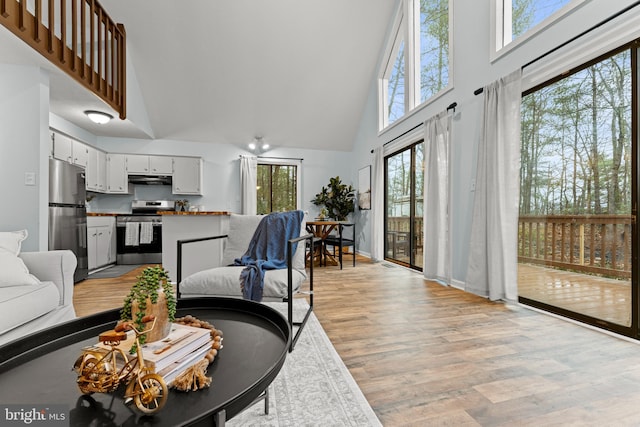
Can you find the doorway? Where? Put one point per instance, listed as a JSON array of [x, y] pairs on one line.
[[577, 244], [404, 206]]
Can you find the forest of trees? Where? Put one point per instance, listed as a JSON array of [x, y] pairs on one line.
[[433, 57], [576, 142], [401, 176], [277, 188], [576, 132]]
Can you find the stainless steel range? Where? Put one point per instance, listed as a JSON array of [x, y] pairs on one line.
[[139, 235]]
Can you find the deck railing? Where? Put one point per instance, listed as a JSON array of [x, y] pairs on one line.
[[596, 244], [398, 231], [79, 37]]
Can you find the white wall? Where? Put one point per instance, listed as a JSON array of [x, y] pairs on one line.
[[472, 69], [24, 148]]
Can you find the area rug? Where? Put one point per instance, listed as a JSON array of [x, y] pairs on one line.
[[314, 387], [113, 271]]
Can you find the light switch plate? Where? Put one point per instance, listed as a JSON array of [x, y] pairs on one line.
[[29, 178]]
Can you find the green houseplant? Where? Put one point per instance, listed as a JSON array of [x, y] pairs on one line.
[[151, 294], [337, 198]]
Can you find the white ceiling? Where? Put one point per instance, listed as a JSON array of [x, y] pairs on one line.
[[297, 72]]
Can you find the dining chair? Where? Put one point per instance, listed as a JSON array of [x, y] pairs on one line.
[[345, 238]]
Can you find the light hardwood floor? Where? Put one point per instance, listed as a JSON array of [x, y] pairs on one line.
[[425, 354]]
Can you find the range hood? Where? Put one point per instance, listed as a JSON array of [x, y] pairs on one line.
[[150, 179]]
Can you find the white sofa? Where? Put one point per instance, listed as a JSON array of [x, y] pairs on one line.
[[27, 308]]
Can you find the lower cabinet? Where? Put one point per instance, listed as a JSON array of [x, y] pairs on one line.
[[101, 248]]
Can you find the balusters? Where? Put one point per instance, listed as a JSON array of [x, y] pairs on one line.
[[66, 43], [38, 21]]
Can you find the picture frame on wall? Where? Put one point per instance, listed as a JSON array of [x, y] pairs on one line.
[[364, 188]]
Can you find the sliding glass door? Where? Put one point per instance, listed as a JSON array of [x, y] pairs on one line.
[[404, 203], [577, 192]]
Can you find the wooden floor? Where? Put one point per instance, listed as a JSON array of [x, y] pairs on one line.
[[599, 297], [425, 354]]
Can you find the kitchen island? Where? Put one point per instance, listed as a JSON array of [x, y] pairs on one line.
[[177, 225]]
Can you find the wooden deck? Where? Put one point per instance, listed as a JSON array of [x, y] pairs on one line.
[[599, 297]]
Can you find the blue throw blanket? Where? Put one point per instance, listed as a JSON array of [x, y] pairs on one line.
[[267, 250]]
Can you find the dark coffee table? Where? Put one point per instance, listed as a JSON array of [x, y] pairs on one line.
[[37, 369]]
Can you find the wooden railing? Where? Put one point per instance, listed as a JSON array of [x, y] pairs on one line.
[[596, 244], [79, 37], [398, 231]]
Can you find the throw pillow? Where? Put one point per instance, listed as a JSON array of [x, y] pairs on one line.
[[11, 241], [13, 272], [241, 229]]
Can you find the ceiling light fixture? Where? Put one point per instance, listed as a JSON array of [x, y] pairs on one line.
[[98, 117], [258, 144]]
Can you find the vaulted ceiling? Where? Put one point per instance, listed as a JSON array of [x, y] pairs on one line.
[[297, 72]]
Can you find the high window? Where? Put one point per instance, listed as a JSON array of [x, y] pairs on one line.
[[519, 19], [416, 67], [277, 189], [434, 47]]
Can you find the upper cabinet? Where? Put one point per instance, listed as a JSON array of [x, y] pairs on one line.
[[117, 174], [70, 150], [109, 172], [97, 170], [149, 165], [187, 175]]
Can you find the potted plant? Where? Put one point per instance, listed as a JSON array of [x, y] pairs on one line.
[[151, 294], [182, 205], [337, 198]]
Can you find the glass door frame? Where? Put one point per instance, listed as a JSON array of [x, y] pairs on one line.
[[633, 330], [412, 207]]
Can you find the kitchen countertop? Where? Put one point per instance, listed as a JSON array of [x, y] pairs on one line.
[[195, 213], [168, 213]]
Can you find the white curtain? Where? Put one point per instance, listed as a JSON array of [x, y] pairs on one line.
[[436, 197], [492, 269], [248, 184], [377, 205]]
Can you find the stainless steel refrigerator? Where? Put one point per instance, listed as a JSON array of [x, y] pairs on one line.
[[68, 213]]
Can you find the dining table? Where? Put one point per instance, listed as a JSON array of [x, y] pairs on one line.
[[321, 229]]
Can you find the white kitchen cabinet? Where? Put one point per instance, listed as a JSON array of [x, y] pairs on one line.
[[80, 153], [62, 147], [102, 170], [187, 175], [117, 181], [153, 165], [96, 170], [100, 241], [162, 165], [70, 150]]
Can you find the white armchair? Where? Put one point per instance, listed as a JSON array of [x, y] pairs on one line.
[[224, 280]]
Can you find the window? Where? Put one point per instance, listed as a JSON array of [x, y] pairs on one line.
[[434, 47], [519, 19], [395, 87], [392, 83], [277, 187], [416, 68]]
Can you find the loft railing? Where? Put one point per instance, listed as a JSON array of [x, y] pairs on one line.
[[79, 37], [596, 244]]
